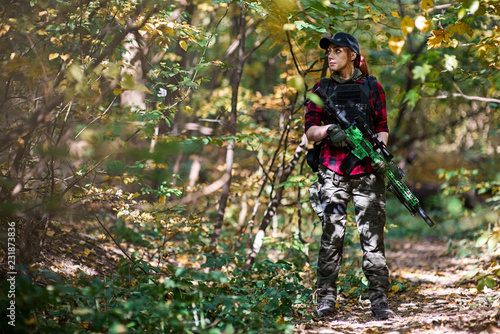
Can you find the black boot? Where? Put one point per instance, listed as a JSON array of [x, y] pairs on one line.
[[325, 309], [381, 311]]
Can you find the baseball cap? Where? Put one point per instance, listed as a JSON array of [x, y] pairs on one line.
[[340, 39]]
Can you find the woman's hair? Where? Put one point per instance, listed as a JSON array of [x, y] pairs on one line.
[[359, 62]]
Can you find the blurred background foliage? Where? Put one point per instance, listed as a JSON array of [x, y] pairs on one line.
[[177, 127]]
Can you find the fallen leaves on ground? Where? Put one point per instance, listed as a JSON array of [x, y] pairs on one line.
[[434, 301]]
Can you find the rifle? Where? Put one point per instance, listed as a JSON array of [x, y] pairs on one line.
[[360, 147]]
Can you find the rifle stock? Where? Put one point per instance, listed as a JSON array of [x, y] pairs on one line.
[[360, 147]]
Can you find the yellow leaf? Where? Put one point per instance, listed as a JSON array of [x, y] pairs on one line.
[[86, 252], [183, 44], [50, 233], [375, 19], [280, 320], [395, 14], [422, 24], [396, 44], [426, 4], [4, 29], [183, 259], [53, 56], [352, 290], [395, 288], [64, 57], [407, 25], [438, 37], [461, 28], [170, 31], [286, 6]]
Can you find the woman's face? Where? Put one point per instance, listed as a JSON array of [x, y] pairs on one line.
[[339, 59]]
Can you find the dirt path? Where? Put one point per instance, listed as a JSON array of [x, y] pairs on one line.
[[433, 302]]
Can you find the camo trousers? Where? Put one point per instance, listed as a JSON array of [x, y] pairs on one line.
[[367, 192]]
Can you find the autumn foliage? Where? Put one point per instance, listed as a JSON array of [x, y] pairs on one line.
[[168, 136]]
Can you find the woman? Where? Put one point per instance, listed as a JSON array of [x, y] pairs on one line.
[[349, 88]]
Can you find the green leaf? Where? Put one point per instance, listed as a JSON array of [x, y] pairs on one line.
[[490, 282], [301, 25], [315, 99], [420, 72], [480, 285], [412, 97], [469, 275], [482, 239], [493, 242]]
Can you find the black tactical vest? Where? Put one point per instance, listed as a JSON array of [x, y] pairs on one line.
[[353, 100]]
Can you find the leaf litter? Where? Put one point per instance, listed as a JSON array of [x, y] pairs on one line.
[[436, 299]]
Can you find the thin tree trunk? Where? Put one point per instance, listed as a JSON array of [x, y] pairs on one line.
[[235, 83]]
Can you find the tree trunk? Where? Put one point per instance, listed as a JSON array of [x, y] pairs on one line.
[[235, 83], [134, 58]]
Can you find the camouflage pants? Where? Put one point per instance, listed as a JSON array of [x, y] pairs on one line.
[[367, 192]]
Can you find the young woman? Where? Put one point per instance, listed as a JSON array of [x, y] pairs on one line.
[[349, 88]]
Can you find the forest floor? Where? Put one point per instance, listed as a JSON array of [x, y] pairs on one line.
[[436, 298]]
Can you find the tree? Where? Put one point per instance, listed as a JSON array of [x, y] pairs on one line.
[[60, 128]]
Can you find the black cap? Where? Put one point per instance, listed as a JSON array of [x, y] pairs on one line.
[[340, 39]]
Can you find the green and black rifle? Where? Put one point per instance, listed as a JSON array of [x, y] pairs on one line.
[[360, 147]]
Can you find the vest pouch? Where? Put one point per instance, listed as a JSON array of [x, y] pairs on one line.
[[312, 156], [353, 102]]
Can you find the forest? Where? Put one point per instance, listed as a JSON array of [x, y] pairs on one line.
[[153, 173]]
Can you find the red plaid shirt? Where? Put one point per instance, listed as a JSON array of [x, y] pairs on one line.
[[332, 157]]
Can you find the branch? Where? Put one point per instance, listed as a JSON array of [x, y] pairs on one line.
[[275, 202], [117, 244], [467, 97], [193, 197]]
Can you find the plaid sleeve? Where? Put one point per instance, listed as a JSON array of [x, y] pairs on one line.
[[313, 114], [380, 117]]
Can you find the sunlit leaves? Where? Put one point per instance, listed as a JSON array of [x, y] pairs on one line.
[[183, 45], [450, 62], [438, 37], [426, 4], [471, 5], [396, 44], [286, 6], [422, 24], [302, 25], [460, 28], [407, 25], [4, 29]]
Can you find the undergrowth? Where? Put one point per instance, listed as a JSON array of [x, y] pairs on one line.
[[263, 300]]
